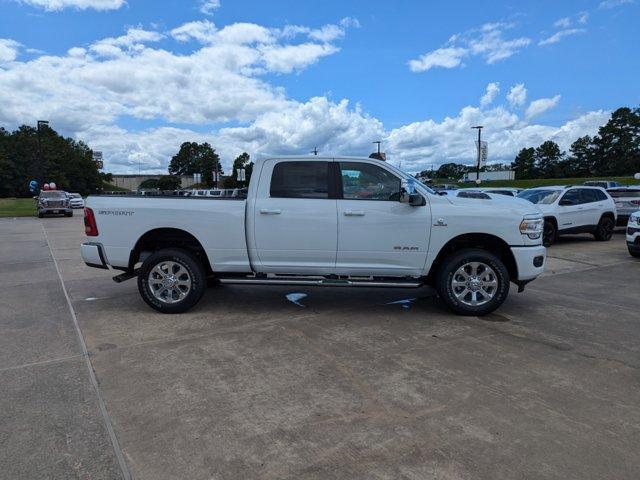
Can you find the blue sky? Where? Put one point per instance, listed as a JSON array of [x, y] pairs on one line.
[[285, 76]]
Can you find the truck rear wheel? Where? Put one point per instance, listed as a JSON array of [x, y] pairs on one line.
[[473, 282], [171, 281]]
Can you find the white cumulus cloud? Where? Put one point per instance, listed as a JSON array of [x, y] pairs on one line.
[[517, 95], [556, 37], [449, 57], [137, 102], [209, 6], [493, 89], [538, 107], [8, 50], [487, 41], [615, 3], [56, 5]]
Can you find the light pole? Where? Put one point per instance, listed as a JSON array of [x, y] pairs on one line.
[[479, 128], [40, 174]]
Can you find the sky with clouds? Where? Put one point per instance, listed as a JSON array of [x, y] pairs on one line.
[[136, 78]]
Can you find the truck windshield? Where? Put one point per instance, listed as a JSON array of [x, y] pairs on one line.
[[543, 197], [55, 194]]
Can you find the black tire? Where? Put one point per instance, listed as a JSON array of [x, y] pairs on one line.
[[70, 214], [634, 253], [604, 230], [40, 215], [446, 275], [195, 273], [550, 233]]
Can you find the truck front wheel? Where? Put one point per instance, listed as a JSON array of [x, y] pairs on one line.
[[171, 281], [473, 282]]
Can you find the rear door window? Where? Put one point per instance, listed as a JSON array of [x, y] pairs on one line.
[[573, 196], [588, 195], [300, 180]]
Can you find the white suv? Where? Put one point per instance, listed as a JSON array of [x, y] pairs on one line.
[[633, 234], [573, 209]]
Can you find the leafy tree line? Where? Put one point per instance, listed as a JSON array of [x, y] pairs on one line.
[[455, 171], [66, 162], [614, 151]]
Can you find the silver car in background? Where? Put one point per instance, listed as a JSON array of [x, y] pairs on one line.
[[627, 201], [75, 200]]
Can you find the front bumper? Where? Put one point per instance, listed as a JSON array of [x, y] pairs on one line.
[[93, 255], [530, 261], [52, 210]]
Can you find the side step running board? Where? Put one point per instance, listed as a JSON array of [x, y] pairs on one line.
[[324, 282]]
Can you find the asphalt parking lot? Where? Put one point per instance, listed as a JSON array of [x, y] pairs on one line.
[[344, 384]]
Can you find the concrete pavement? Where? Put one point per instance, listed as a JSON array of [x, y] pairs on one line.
[[352, 385]]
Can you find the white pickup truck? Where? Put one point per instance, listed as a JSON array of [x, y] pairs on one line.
[[321, 221]]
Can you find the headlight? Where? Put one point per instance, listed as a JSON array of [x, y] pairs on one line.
[[634, 218], [532, 227]]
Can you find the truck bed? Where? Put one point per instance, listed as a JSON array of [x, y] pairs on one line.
[[217, 223]]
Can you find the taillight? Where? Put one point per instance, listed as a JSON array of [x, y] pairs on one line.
[[90, 227], [635, 202]]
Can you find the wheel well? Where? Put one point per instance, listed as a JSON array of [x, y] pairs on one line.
[[608, 214], [160, 238], [491, 243], [552, 220]]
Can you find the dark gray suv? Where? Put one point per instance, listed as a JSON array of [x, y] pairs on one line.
[[53, 201]]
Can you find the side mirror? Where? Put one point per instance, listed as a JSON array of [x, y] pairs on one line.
[[565, 202], [412, 199], [416, 200]]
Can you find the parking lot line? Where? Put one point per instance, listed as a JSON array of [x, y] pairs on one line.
[[92, 376]]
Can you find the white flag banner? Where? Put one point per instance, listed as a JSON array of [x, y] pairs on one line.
[[484, 152]]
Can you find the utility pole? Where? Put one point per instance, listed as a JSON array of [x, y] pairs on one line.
[[315, 151], [40, 172], [479, 128]]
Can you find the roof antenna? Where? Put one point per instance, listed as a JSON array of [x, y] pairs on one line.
[[315, 151]]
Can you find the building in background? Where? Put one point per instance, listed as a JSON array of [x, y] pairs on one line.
[[132, 182]]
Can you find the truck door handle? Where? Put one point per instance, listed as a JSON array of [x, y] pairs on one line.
[[354, 213], [267, 211]]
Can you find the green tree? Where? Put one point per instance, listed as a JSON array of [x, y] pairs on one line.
[[241, 161], [617, 145], [452, 171], [106, 177], [548, 156], [169, 182], [66, 162], [580, 162], [196, 158], [524, 165], [149, 184]]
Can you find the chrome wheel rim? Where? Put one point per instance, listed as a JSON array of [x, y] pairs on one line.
[[474, 284], [169, 282]]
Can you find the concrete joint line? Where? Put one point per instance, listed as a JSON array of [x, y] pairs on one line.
[[92, 376]]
